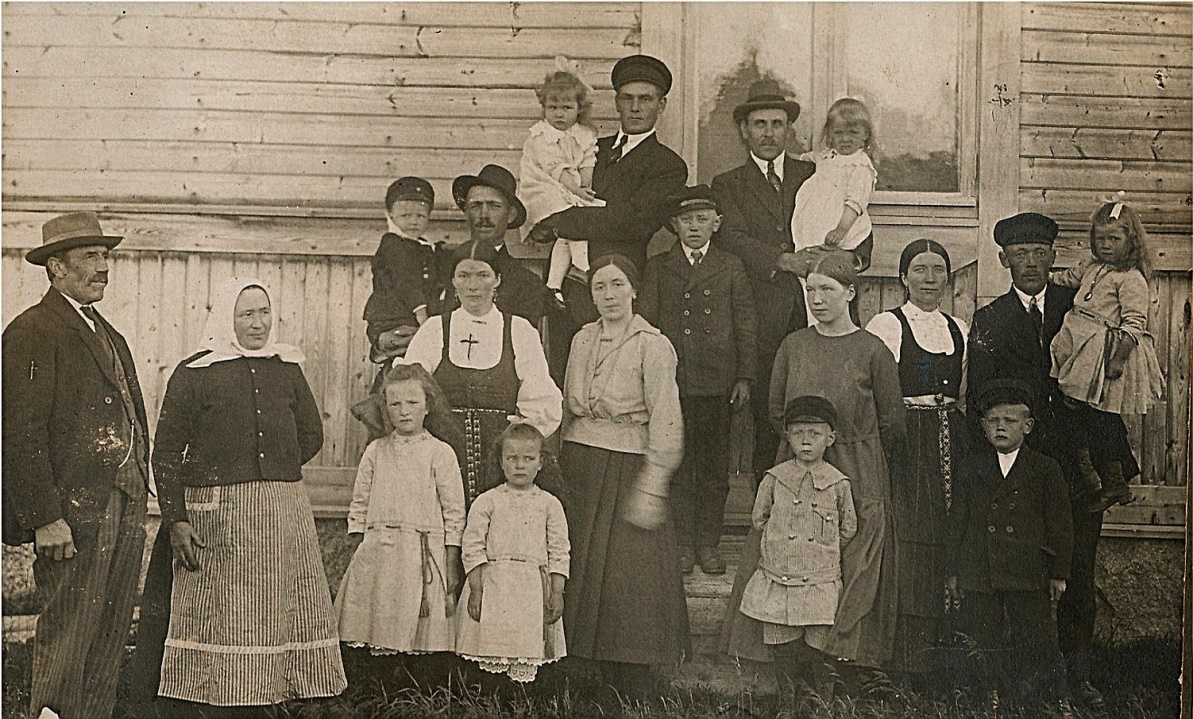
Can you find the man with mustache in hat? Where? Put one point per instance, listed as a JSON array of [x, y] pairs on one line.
[[757, 200], [76, 457], [1010, 340], [635, 174], [490, 202]]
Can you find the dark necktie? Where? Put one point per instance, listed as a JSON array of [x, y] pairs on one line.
[[697, 255], [773, 177], [1037, 319], [102, 333], [618, 148]]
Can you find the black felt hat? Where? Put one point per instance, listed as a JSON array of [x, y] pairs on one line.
[[810, 408], [1026, 227], [766, 95], [642, 68], [65, 232], [1004, 391], [499, 179]]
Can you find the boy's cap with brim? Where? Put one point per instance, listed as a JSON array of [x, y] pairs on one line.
[[1004, 391], [66, 232], [410, 188], [810, 408], [696, 197]]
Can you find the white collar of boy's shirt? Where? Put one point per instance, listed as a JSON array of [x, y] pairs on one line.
[[393, 230], [79, 308], [1025, 299], [688, 251], [631, 141], [1006, 461], [763, 163]]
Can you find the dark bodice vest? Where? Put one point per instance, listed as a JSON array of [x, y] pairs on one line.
[[928, 373]]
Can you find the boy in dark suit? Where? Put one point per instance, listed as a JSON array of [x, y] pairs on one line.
[[700, 297], [1012, 538]]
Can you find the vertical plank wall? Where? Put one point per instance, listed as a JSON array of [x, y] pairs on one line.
[[1107, 105]]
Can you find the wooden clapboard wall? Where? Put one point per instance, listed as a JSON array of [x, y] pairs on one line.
[[1107, 105]]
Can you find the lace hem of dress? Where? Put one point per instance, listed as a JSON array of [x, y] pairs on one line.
[[520, 669], [383, 651]]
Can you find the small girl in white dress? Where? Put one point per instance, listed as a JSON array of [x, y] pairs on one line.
[[557, 163], [406, 520], [830, 207], [516, 555]]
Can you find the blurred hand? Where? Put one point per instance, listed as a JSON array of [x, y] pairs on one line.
[[834, 237], [354, 540], [587, 193], [395, 341], [54, 541], [476, 593], [554, 609], [952, 590], [542, 233], [740, 396], [645, 511], [1056, 588], [185, 542]]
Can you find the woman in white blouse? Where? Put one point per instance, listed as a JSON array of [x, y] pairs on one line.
[[929, 347], [490, 365]]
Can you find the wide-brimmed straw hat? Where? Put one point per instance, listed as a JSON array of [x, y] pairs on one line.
[[65, 232]]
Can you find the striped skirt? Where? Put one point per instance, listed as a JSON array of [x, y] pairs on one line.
[[254, 624]]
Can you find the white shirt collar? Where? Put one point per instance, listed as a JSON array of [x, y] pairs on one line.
[[778, 163], [914, 313], [79, 308], [1025, 299], [493, 315], [632, 141], [688, 251], [1006, 461]]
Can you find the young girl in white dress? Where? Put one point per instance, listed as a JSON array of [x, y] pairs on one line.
[[557, 163], [516, 555], [1103, 358], [830, 207], [406, 520]]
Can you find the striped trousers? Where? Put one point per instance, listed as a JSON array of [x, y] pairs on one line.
[[87, 608]]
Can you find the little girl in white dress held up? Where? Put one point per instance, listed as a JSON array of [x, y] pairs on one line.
[[407, 520], [516, 554]]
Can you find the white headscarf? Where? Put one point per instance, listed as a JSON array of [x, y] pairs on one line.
[[219, 335]]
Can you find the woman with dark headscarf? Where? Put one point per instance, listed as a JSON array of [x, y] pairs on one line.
[[622, 439], [929, 347], [250, 620], [851, 368]]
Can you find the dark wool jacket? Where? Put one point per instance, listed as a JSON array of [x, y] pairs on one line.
[[62, 418], [235, 421], [707, 312], [406, 274], [1012, 533]]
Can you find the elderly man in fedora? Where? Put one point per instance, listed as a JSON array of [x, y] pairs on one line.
[[76, 459]]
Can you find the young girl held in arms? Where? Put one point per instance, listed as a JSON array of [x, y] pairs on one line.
[[1103, 357], [516, 556], [406, 520]]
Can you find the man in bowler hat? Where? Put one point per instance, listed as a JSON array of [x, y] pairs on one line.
[[634, 175], [1010, 339], [76, 457]]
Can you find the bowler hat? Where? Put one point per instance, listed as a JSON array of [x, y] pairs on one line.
[[642, 68], [696, 197], [810, 408], [65, 232], [410, 188], [499, 179], [1026, 227], [766, 95], [1003, 391]]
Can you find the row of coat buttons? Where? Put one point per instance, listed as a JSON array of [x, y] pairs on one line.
[[992, 529], [253, 370], [688, 295], [687, 313]]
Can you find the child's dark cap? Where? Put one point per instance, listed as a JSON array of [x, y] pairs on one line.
[[1004, 391], [810, 408], [696, 197], [410, 188], [1024, 228]]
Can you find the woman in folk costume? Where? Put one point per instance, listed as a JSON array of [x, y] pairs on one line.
[[489, 364], [250, 613]]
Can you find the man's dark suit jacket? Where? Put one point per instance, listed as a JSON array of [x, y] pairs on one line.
[[635, 190], [1013, 533], [757, 228], [707, 312], [63, 422]]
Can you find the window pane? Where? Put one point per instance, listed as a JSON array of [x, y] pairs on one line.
[[902, 60]]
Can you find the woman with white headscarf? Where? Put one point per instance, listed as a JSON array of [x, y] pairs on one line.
[[250, 617]]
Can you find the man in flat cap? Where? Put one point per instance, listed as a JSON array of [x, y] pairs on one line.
[[489, 200], [1010, 339], [76, 457], [634, 175], [757, 200]]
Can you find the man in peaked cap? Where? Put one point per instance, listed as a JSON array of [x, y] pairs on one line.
[[757, 200], [1010, 339], [76, 458], [634, 175]]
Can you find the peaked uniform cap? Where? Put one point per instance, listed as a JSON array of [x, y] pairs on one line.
[[410, 188], [696, 197], [1026, 227], [642, 68]]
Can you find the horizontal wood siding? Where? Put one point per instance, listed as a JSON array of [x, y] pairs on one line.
[[282, 105]]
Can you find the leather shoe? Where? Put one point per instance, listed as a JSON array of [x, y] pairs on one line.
[[686, 562], [1089, 695], [711, 561]]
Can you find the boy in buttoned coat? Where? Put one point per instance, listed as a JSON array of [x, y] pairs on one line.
[[1011, 543], [699, 296]]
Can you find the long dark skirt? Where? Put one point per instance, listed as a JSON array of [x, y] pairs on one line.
[[625, 597]]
